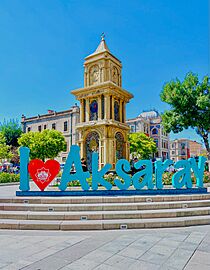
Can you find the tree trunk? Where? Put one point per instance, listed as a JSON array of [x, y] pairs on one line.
[[206, 143]]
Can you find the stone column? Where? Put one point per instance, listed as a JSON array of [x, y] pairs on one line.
[[124, 111], [106, 151], [87, 110], [82, 152], [120, 109], [112, 152], [107, 106], [85, 77], [81, 110], [99, 108], [113, 107], [128, 151]]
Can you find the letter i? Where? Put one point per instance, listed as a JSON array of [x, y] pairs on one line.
[[24, 160]]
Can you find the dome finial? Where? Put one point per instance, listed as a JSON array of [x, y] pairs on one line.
[[103, 36]]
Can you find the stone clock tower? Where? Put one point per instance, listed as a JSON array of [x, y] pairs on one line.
[[102, 126]]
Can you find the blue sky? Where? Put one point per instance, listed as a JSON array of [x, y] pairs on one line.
[[44, 42]]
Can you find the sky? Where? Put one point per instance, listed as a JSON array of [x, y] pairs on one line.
[[43, 44]]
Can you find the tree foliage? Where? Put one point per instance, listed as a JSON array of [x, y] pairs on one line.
[[45, 144], [141, 145], [190, 106], [5, 152], [12, 131]]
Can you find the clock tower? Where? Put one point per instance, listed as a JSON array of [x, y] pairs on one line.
[[102, 126]]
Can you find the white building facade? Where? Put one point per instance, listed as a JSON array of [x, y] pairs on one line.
[[149, 122], [64, 121]]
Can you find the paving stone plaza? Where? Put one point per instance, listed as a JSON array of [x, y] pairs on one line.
[[171, 248], [184, 248]]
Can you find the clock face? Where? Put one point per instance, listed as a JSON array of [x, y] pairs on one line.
[[95, 76]]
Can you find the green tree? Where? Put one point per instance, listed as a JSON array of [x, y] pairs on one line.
[[190, 106], [45, 144], [5, 152], [141, 145], [12, 131]]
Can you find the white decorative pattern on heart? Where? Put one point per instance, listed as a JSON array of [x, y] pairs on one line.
[[42, 174]]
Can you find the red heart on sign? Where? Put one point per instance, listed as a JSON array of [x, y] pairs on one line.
[[43, 173]]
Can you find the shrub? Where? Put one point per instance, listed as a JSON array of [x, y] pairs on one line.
[[9, 177]]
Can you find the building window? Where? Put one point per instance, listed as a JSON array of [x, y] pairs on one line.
[[173, 152], [132, 127], [156, 141], [39, 128], [92, 145], [28, 129], [53, 126], [155, 131], [182, 145], [63, 159], [45, 126], [65, 126], [183, 153]]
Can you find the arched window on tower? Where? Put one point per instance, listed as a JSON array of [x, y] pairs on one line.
[[92, 145], [116, 111], [94, 110], [119, 146]]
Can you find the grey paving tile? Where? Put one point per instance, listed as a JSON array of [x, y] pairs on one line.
[[41, 255], [169, 242], [120, 262], [196, 266], [179, 258], [195, 237], [104, 267], [2, 265], [141, 245], [156, 257], [142, 265], [201, 257], [177, 236], [112, 247], [17, 265], [188, 246], [164, 250], [166, 267], [99, 256], [204, 246], [151, 238], [131, 252], [50, 262], [82, 264]]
